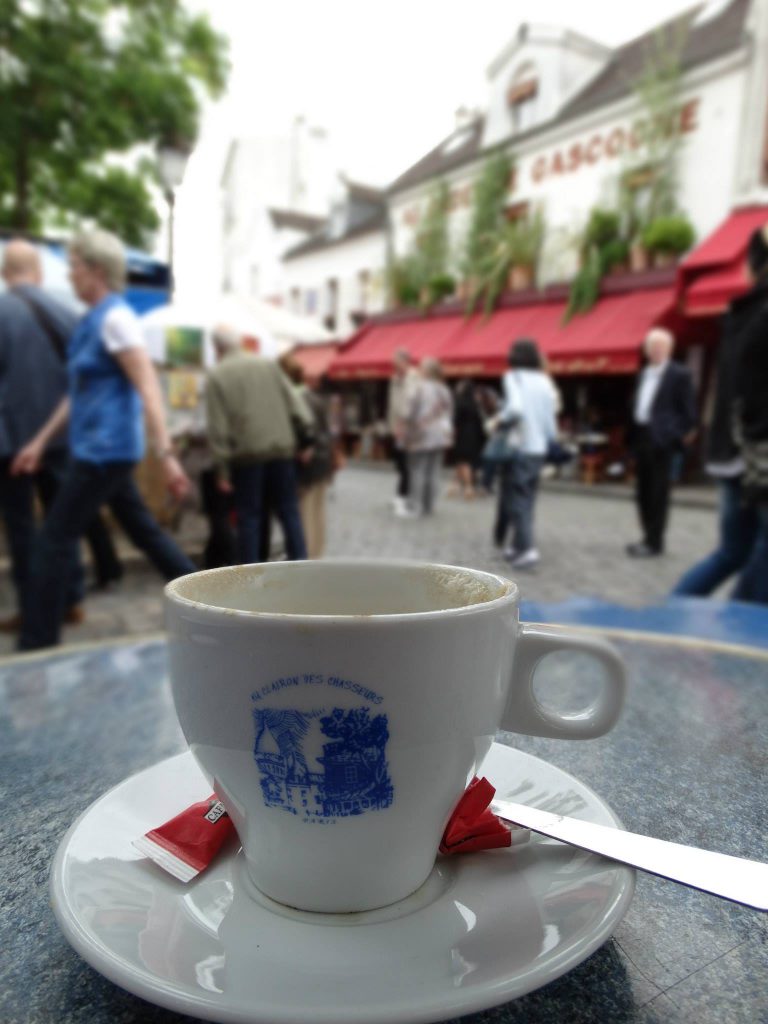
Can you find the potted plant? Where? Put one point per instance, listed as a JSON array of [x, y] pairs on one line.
[[603, 227], [667, 238], [440, 287], [639, 258], [614, 257], [520, 245]]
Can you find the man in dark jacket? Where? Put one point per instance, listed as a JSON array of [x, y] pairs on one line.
[[664, 417], [739, 529], [34, 329], [751, 416]]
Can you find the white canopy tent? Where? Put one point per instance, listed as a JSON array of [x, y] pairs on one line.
[[275, 330]]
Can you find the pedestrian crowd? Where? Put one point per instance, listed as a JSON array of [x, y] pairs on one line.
[[75, 398], [505, 440], [76, 395]]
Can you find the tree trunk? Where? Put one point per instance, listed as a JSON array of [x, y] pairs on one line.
[[20, 216]]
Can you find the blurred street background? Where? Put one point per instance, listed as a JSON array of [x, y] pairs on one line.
[[583, 536]]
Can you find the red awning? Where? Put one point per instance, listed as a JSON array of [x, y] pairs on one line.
[[315, 359], [713, 274], [369, 354], [605, 340]]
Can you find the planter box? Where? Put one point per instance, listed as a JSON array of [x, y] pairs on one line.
[[664, 259], [520, 279], [639, 259]]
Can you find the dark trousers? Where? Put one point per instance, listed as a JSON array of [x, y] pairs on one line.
[[752, 585], [17, 503], [517, 499], [250, 483], [653, 468], [739, 525], [217, 508], [83, 491], [400, 459]]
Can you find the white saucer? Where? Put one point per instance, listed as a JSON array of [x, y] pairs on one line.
[[483, 929]]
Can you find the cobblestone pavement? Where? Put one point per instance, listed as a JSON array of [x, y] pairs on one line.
[[581, 538]]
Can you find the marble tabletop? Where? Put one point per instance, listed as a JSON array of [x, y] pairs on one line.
[[687, 762]]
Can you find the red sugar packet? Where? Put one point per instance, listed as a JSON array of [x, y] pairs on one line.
[[472, 826], [186, 845]]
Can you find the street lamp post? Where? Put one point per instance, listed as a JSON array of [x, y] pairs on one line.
[[172, 161]]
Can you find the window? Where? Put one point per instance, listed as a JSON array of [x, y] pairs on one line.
[[350, 773], [295, 300], [310, 301], [522, 98]]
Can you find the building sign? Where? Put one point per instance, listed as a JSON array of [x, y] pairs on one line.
[[604, 145]]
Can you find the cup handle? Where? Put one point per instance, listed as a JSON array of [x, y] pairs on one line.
[[524, 714]]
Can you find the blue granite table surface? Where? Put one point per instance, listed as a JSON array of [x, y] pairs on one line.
[[687, 762]]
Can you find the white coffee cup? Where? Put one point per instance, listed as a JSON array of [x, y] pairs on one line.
[[339, 709]]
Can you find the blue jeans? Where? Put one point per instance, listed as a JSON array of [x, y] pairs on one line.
[[17, 496], [738, 530], [517, 496], [752, 585], [278, 476], [83, 491]]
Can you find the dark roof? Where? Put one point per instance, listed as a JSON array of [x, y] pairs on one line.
[[366, 193], [438, 161], [293, 219], [323, 240], [713, 38]]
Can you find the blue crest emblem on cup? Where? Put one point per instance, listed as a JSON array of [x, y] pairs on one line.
[[323, 764]]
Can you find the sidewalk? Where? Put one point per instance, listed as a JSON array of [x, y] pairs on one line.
[[703, 495], [581, 532]]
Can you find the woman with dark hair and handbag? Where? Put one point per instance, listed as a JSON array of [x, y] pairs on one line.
[[529, 415]]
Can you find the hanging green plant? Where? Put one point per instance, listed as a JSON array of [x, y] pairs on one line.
[[515, 245], [489, 197], [585, 288], [613, 254]]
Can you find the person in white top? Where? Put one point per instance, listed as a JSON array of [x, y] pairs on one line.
[[529, 404]]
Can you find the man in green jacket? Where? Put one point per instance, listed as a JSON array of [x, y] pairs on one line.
[[254, 417]]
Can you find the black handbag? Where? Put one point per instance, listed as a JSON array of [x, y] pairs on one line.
[[558, 454]]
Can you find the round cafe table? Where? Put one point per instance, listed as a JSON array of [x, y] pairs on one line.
[[687, 763]]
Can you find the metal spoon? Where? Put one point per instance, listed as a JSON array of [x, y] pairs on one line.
[[733, 878]]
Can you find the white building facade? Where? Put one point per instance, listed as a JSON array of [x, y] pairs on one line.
[[293, 175], [338, 274], [581, 125]]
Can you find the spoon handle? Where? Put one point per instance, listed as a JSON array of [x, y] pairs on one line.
[[734, 878]]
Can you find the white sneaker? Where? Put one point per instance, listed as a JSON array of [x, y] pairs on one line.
[[509, 553], [526, 559], [399, 505], [405, 511]]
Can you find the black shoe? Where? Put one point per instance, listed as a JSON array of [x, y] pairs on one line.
[[642, 550]]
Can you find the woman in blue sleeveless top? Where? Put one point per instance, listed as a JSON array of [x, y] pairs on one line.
[[112, 385]]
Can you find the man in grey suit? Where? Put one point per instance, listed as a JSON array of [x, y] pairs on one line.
[[34, 329]]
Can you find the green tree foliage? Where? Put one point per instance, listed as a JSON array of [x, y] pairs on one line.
[[83, 81]]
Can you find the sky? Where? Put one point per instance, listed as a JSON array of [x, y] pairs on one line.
[[384, 80]]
